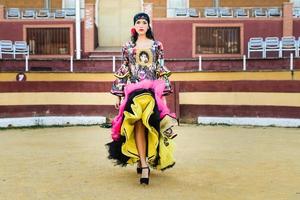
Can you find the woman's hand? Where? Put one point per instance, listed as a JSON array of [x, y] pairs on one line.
[[118, 103]]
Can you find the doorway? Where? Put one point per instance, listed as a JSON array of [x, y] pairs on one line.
[[115, 21]]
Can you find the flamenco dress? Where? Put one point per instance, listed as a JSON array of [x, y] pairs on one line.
[[143, 87]]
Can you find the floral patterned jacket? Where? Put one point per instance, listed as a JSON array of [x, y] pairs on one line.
[[141, 64]]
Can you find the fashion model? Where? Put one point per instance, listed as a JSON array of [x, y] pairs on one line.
[[142, 131]]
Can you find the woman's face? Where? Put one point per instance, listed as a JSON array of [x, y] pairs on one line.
[[141, 26]]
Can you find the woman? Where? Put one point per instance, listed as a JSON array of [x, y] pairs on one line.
[[142, 131]]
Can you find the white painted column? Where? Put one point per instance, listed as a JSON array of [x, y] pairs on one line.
[[114, 63], [71, 64], [78, 30], [244, 63], [291, 62], [26, 63], [200, 63]]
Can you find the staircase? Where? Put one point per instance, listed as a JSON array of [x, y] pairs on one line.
[[106, 53]]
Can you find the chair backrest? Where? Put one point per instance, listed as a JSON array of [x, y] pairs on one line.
[[44, 13], [241, 12], [272, 42], [274, 12], [288, 42], [60, 14], [28, 14], [181, 12], [256, 43], [13, 13], [70, 12], [193, 12], [6, 45], [225, 12], [211, 12], [21, 46], [259, 12], [296, 12]]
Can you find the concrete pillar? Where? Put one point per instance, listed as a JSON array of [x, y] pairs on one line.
[[2, 13], [287, 19], [89, 21]]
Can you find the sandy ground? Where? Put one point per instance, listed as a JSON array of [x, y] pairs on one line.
[[213, 162]]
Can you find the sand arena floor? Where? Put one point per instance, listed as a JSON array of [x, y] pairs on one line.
[[213, 162]]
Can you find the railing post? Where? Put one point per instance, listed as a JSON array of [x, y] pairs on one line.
[[244, 63], [291, 62], [26, 63], [114, 63], [200, 63], [71, 64]]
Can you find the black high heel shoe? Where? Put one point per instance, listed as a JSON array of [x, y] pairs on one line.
[[145, 180]]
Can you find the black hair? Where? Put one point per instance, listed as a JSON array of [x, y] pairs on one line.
[[141, 15]]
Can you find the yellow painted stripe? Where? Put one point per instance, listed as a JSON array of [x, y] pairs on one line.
[[176, 76], [56, 98], [240, 98], [191, 98]]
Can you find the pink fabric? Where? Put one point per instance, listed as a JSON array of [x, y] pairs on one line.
[[157, 86]]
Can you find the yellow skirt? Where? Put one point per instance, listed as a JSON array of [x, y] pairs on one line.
[[142, 106]]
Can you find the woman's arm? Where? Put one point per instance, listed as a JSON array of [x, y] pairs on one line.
[[162, 71], [122, 74]]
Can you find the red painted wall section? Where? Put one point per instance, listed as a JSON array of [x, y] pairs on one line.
[[296, 28], [13, 30], [177, 37]]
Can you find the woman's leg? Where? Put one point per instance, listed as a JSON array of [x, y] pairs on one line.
[[141, 144], [140, 140]]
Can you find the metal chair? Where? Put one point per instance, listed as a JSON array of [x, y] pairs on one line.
[[21, 48], [181, 12], [296, 12], [6, 47], [44, 14], [259, 12], [289, 43], [225, 12], [192, 12], [211, 12], [60, 14], [274, 12], [13, 13], [28, 14], [70, 12], [241, 13], [272, 44], [256, 45]]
